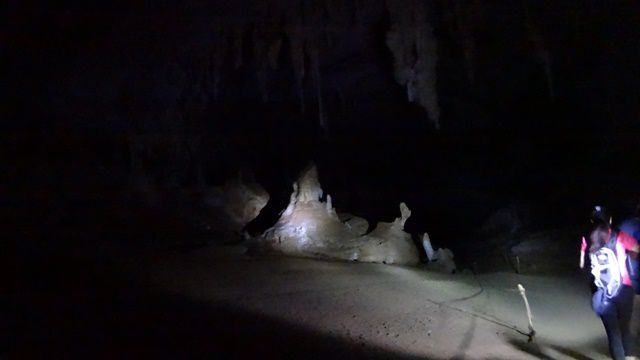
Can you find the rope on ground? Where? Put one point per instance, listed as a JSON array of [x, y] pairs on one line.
[[476, 315], [447, 303]]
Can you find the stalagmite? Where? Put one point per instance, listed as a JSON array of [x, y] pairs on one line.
[[310, 227], [388, 243], [428, 249], [329, 204], [307, 227]]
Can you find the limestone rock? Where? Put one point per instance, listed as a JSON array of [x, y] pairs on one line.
[[443, 261], [357, 224], [428, 248], [311, 227], [236, 203], [389, 243], [308, 226]]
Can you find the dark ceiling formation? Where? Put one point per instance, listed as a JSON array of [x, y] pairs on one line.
[[460, 106]]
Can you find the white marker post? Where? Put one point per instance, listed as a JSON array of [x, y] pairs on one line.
[[532, 332]]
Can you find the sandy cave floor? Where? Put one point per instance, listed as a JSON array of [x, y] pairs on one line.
[[216, 301], [408, 311]]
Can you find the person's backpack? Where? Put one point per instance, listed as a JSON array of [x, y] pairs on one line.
[[606, 276], [606, 272]]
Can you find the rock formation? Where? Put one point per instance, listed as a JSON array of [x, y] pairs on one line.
[[415, 52], [311, 227], [233, 205]]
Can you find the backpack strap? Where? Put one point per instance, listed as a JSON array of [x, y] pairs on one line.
[[613, 240]]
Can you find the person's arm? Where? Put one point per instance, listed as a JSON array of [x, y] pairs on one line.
[[583, 249]]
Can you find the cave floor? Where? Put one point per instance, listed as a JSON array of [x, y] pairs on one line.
[[216, 302]]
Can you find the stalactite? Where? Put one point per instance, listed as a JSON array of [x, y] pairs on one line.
[[549, 76], [336, 11], [414, 48], [297, 58], [296, 46], [333, 14], [358, 15], [266, 49], [217, 58], [317, 79], [236, 41], [260, 55], [267, 41], [541, 53], [466, 15], [274, 53], [315, 23]]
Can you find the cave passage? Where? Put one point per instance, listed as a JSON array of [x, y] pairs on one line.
[[322, 178]]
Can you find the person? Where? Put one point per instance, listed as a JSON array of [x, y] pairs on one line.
[[617, 316], [629, 226]]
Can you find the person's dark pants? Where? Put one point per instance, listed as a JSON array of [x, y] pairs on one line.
[[616, 322]]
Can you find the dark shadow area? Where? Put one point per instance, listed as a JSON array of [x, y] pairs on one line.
[[572, 353], [83, 309], [534, 349], [531, 348], [466, 341]]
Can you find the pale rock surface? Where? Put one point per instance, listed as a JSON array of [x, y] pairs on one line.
[[389, 243], [308, 226], [428, 248], [311, 227], [443, 261], [357, 224], [439, 260]]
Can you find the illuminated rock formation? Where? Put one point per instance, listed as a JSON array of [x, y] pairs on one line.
[[311, 227], [308, 226], [388, 243]]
